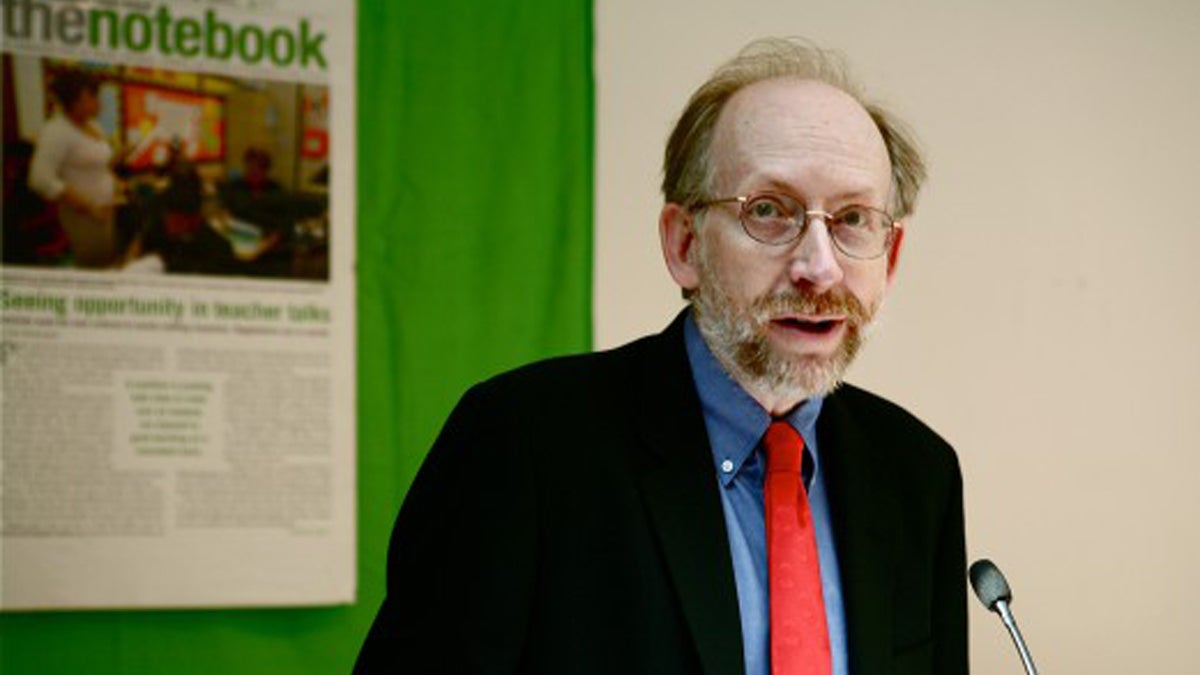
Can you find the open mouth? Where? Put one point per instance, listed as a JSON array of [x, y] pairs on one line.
[[809, 326]]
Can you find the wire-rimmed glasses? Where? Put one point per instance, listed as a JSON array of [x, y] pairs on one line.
[[776, 219]]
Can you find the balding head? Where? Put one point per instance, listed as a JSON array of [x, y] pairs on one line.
[[688, 171]]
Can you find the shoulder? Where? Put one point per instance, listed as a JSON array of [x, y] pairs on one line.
[[859, 401], [599, 398], [885, 426], [57, 126], [578, 381], [52, 131], [646, 359], [514, 427], [60, 134]]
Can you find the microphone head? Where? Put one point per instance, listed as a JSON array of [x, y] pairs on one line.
[[989, 583]]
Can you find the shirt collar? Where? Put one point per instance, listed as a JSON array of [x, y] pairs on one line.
[[734, 420]]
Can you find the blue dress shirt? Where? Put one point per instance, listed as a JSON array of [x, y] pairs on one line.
[[736, 424]]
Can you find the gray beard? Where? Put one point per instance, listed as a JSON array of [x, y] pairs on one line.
[[737, 337]]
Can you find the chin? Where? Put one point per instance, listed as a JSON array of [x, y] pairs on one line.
[[799, 378]]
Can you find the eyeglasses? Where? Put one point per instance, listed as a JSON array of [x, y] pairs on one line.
[[776, 219]]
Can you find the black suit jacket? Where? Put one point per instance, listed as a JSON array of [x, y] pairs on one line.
[[567, 520]]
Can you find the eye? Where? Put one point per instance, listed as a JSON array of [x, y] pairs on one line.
[[765, 208], [768, 208], [770, 218], [854, 217], [860, 231]]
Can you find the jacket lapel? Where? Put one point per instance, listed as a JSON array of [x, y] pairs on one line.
[[680, 492], [863, 504]]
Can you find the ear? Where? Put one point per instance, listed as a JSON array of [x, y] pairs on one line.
[[893, 255], [677, 234]]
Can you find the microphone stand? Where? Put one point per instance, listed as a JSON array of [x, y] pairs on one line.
[[1010, 623]]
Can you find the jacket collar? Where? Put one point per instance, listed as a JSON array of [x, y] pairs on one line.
[[679, 491], [863, 506]]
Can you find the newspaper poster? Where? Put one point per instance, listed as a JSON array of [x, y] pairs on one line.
[[177, 313]]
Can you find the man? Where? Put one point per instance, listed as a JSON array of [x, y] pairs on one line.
[[605, 513]]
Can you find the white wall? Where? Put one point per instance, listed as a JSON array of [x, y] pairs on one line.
[[1045, 319]]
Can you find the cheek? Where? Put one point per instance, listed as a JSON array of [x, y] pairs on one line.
[[746, 277], [743, 267], [868, 283]]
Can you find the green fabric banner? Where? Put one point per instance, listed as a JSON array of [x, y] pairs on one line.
[[475, 153]]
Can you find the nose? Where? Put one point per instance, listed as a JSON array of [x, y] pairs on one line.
[[813, 258]]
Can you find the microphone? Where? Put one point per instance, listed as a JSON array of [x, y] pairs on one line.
[[994, 593]]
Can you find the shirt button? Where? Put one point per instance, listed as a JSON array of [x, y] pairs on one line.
[[727, 466]]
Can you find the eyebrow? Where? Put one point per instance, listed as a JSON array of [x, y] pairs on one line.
[[857, 196]]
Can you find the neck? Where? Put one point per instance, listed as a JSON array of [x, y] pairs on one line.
[[777, 404]]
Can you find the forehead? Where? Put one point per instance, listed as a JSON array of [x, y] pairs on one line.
[[802, 136]]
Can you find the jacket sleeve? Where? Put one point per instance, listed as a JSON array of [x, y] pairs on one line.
[[950, 587]]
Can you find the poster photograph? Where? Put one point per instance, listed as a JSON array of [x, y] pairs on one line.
[[177, 305]]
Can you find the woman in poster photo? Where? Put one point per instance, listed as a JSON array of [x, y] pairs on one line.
[[72, 167]]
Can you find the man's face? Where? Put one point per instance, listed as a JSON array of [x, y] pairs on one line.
[[787, 320]]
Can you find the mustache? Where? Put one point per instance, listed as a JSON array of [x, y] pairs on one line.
[[800, 301]]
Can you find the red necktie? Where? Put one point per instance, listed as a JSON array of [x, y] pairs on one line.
[[799, 638]]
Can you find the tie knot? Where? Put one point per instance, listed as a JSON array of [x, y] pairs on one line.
[[784, 447]]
